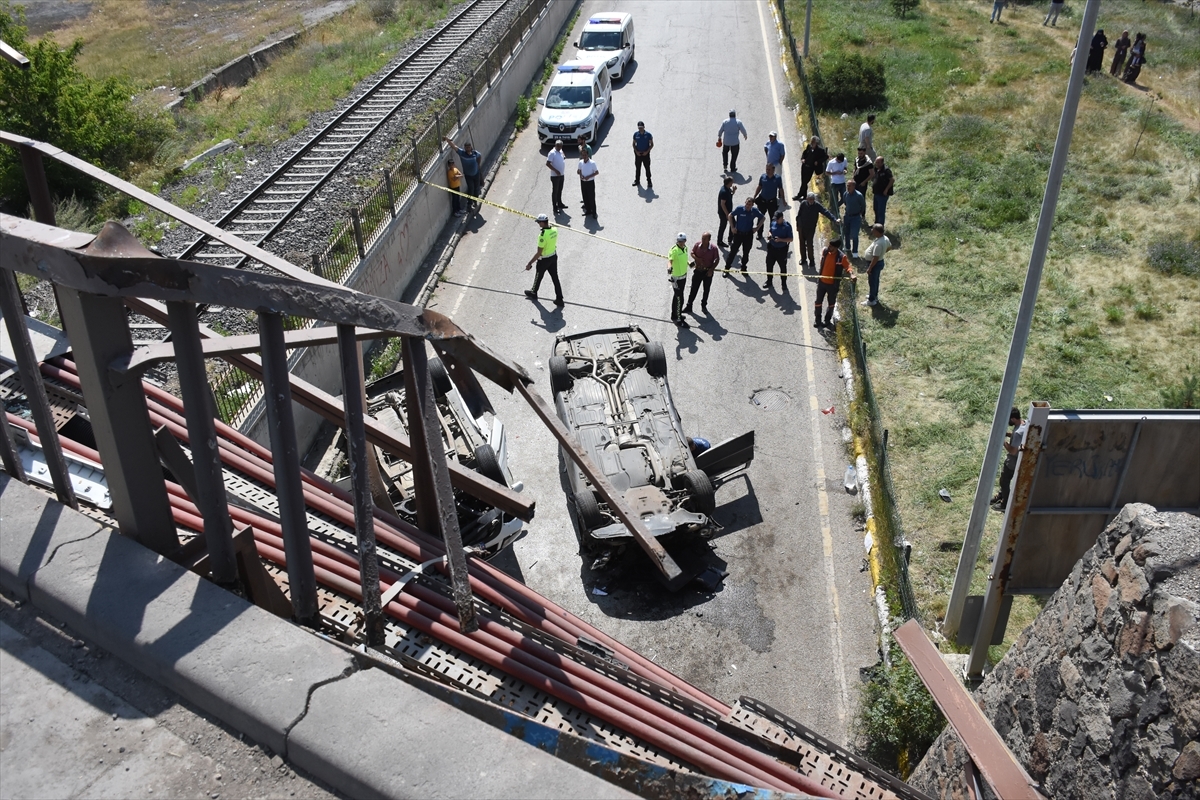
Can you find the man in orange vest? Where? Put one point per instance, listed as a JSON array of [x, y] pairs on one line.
[[835, 266]]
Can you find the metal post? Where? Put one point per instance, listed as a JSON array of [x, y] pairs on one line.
[[316, 266], [1016, 350], [436, 512], [39, 198], [358, 237], [202, 435], [807, 28], [99, 333], [1014, 518], [437, 131], [35, 390], [416, 161], [302, 582], [8, 451], [364, 508], [387, 187]]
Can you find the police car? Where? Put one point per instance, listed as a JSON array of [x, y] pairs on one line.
[[607, 38], [579, 98]]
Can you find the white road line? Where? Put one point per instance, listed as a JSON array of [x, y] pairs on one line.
[[462, 290], [835, 630]]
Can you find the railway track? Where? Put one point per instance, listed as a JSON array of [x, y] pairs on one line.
[[267, 208]]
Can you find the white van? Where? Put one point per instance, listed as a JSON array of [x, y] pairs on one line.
[[579, 98], [607, 38]]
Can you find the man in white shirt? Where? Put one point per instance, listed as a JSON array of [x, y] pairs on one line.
[[874, 255], [865, 136], [556, 162], [587, 172], [836, 170]]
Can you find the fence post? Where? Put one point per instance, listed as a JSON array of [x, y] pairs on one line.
[[358, 237], [316, 265], [416, 161], [437, 130], [387, 187], [35, 390], [364, 506]]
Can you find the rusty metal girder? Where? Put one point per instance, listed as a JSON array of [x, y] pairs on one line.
[[995, 761], [149, 355]]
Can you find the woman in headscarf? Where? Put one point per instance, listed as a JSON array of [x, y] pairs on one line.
[[1137, 57], [1120, 50], [1095, 61]]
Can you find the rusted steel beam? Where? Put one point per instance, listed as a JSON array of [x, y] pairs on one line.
[[661, 558], [1010, 531], [202, 435], [285, 452], [436, 511], [364, 506], [8, 450], [147, 356], [397, 444], [35, 390], [995, 761], [170, 209]]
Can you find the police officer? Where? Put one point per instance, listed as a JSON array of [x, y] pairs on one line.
[[678, 276], [744, 220], [546, 258], [766, 196], [777, 249], [643, 143]]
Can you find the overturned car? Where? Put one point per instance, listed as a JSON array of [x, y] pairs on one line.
[[610, 390], [471, 435]]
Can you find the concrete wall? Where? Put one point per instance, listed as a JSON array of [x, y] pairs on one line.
[[399, 251]]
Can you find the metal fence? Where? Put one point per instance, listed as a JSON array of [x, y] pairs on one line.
[[235, 391], [888, 526]]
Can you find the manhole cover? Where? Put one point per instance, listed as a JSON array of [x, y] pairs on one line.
[[770, 398]]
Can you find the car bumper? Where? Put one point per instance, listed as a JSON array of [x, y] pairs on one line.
[[657, 524]]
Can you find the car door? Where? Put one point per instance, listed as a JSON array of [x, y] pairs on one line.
[[727, 457]]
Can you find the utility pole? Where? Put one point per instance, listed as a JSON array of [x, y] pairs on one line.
[[1016, 350]]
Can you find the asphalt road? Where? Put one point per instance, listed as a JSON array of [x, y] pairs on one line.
[[793, 622]]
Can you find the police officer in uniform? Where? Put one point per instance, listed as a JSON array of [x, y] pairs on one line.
[[777, 249], [546, 258], [678, 276]]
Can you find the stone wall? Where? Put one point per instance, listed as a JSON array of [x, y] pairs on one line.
[[1100, 696]]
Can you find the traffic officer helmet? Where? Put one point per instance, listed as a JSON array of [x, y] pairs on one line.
[[542, 218], [681, 237]]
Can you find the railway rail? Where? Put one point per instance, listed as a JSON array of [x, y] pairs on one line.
[[268, 207]]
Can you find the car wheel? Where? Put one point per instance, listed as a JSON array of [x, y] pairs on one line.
[[656, 360], [560, 378], [699, 489], [590, 516], [488, 465], [440, 377]]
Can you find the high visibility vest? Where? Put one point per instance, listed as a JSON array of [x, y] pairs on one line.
[[833, 267], [548, 241], [679, 261]]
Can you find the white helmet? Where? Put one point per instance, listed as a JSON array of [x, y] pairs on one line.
[[542, 218], [681, 237]]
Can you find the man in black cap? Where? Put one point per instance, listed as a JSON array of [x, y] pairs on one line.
[[546, 259], [777, 249], [643, 143]]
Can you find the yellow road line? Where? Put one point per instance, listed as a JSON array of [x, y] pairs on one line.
[[815, 421]]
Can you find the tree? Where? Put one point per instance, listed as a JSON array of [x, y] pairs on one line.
[[54, 101], [847, 81], [902, 7]]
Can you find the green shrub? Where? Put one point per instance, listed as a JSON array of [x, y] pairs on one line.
[[897, 718], [525, 106], [53, 101], [847, 81], [1146, 310], [1114, 314], [1175, 256], [1185, 395], [382, 11], [902, 7]]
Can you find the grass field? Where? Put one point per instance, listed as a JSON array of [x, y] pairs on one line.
[[969, 125]]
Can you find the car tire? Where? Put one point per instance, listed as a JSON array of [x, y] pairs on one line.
[[488, 465], [590, 516], [656, 360], [560, 378], [440, 377], [700, 491]]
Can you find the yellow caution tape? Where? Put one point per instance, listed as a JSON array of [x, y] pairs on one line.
[[482, 201]]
